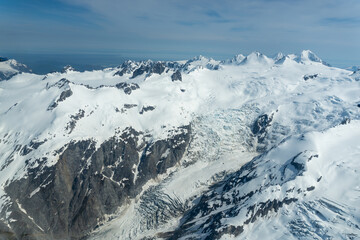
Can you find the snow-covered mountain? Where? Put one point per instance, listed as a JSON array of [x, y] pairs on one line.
[[10, 67], [188, 149]]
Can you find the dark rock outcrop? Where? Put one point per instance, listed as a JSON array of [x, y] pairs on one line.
[[176, 76], [146, 109], [127, 87], [67, 200], [4, 76], [345, 121], [136, 69], [6, 233], [259, 130], [158, 68], [141, 70], [33, 145], [74, 118], [60, 84], [63, 96], [120, 72], [308, 76]]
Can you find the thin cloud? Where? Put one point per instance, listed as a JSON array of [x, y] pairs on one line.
[[241, 29], [341, 21], [212, 14], [228, 26]]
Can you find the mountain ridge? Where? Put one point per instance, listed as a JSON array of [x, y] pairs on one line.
[[303, 57]]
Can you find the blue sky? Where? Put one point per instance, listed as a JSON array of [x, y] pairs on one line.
[[169, 29]]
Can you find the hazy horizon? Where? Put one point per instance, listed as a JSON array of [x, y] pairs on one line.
[[42, 63], [173, 30]]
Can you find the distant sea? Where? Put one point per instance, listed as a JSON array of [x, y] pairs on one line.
[[45, 63]]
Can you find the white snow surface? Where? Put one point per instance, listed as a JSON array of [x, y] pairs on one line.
[[220, 99], [11, 67]]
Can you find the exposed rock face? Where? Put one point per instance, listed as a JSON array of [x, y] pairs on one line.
[[146, 109], [158, 68], [127, 87], [126, 68], [63, 96], [120, 72], [141, 70], [33, 145], [6, 233], [149, 67], [309, 76], [259, 130], [74, 118], [67, 200], [6, 76], [60, 84], [176, 76]]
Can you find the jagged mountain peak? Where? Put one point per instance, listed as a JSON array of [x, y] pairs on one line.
[[308, 56], [257, 58], [199, 58], [237, 59], [278, 56], [199, 62], [68, 68], [287, 59]]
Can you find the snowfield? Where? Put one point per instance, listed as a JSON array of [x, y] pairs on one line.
[[274, 148]]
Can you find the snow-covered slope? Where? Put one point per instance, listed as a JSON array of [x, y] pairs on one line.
[[356, 75], [10, 67], [105, 146]]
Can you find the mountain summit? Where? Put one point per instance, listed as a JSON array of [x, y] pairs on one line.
[[308, 56], [10, 67]]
